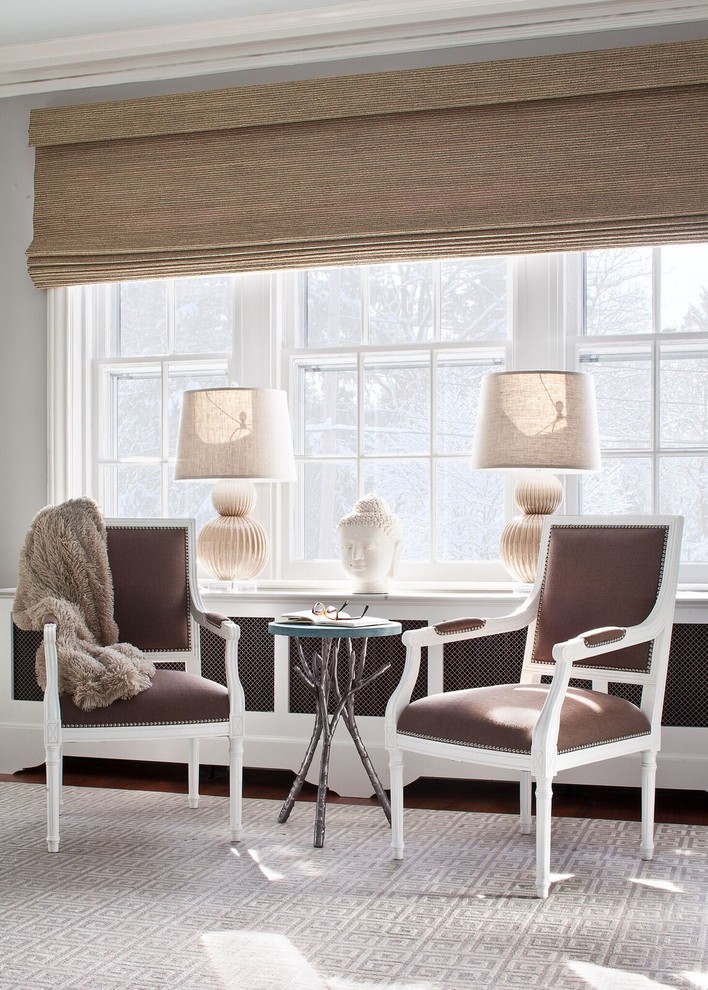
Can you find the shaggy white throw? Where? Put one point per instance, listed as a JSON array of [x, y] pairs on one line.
[[64, 572]]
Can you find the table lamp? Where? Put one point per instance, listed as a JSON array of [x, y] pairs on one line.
[[544, 422], [237, 435]]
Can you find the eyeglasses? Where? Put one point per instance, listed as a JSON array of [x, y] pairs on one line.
[[332, 612]]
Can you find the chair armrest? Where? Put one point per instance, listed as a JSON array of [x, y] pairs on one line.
[[219, 624], [52, 711], [230, 632], [587, 645], [455, 630], [606, 639]]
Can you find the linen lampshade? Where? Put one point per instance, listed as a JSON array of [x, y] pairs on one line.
[[544, 421], [237, 435]]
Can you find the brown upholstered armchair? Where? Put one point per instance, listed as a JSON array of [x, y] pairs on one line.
[[600, 610], [158, 609]]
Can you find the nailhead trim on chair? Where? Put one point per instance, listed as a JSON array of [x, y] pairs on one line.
[[661, 574], [603, 639], [451, 626], [190, 644], [521, 752], [124, 725]]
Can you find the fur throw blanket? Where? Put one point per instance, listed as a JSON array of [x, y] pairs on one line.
[[64, 572]]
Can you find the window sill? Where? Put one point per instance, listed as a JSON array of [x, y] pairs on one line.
[[405, 600]]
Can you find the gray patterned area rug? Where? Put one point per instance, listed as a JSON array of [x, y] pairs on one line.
[[147, 894]]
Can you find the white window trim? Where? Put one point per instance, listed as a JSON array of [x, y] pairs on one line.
[[542, 311]]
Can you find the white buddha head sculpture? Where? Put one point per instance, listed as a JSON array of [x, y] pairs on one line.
[[370, 541]]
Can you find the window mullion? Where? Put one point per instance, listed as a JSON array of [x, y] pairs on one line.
[[165, 435], [360, 425], [432, 440], [656, 376], [171, 310], [655, 423], [361, 367]]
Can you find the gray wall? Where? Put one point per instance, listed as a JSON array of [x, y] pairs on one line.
[[23, 347], [23, 350]]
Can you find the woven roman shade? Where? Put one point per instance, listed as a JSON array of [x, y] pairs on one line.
[[562, 152]]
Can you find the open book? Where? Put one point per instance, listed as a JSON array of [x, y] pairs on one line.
[[307, 617]]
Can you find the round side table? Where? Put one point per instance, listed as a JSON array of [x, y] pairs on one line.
[[322, 673]]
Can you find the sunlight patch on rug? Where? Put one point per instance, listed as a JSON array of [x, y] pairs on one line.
[[602, 978], [259, 960], [269, 874], [666, 885]]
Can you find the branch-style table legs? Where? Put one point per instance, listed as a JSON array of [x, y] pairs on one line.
[[332, 702]]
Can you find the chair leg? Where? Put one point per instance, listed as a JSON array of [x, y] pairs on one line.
[[525, 803], [544, 796], [193, 773], [648, 793], [396, 772], [54, 774], [236, 786]]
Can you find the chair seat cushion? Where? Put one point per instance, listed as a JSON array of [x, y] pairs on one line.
[[175, 698], [503, 717]]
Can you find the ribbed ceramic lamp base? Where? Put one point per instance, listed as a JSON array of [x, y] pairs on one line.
[[537, 496], [233, 546]]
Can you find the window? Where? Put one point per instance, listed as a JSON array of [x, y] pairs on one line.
[[382, 364], [157, 339], [385, 369], [643, 335]]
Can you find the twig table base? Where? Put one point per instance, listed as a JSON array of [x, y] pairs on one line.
[[335, 692]]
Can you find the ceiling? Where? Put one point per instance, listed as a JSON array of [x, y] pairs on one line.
[[68, 44], [31, 21]]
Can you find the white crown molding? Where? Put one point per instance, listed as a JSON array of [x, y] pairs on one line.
[[347, 30]]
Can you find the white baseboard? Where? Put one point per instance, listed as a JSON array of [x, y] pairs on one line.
[[21, 746]]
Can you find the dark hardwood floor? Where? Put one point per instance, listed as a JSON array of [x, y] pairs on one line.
[[569, 800]]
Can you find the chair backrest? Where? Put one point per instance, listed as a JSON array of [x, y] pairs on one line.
[[605, 571], [152, 569]]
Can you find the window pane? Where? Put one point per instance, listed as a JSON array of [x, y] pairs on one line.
[[333, 307], [618, 291], [325, 493], [474, 298], [329, 415], [132, 491], [457, 392], [683, 490], [143, 318], [138, 415], [396, 408], [401, 303], [469, 512], [191, 500], [684, 287], [623, 485], [684, 396], [204, 314], [179, 380], [623, 384], [405, 485]]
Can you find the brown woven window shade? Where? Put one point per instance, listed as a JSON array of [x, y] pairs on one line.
[[544, 154]]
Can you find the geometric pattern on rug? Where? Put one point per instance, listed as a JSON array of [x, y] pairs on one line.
[[147, 894]]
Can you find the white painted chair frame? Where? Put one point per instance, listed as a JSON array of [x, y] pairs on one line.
[[56, 735], [544, 761]]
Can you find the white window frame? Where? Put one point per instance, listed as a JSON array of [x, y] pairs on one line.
[[691, 573], [416, 573], [545, 310]]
